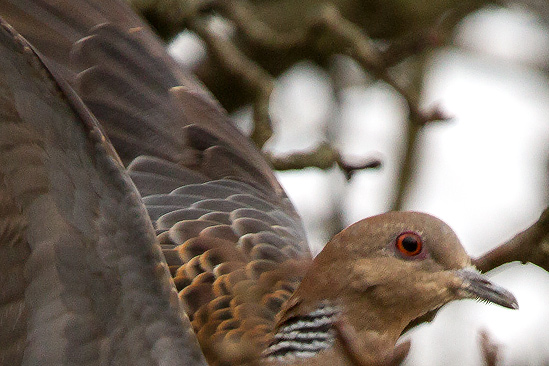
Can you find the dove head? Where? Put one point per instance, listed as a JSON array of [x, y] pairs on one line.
[[386, 271]]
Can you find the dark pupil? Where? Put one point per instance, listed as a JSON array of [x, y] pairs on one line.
[[410, 244]]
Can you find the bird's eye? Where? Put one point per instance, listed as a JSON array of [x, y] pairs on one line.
[[409, 244]]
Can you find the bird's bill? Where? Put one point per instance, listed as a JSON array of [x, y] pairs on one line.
[[475, 285]]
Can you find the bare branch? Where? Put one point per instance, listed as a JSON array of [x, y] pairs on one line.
[[236, 63], [323, 157], [257, 31], [530, 245], [357, 45], [324, 32], [489, 348]]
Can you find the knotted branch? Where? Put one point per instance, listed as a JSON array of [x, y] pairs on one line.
[[323, 157]]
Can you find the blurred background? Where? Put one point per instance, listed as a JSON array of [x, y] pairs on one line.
[[484, 170]]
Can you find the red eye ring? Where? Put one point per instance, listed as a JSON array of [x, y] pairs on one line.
[[409, 244]]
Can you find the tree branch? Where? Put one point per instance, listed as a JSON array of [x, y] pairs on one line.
[[489, 348], [530, 245], [255, 30], [324, 157], [236, 63]]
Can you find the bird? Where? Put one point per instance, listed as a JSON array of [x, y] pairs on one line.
[[376, 276], [149, 201], [233, 242]]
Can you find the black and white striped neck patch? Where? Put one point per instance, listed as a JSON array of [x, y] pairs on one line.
[[304, 336]]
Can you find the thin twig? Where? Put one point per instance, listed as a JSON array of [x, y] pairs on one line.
[[357, 45], [489, 348], [255, 30], [324, 157], [411, 142], [352, 39], [236, 63]]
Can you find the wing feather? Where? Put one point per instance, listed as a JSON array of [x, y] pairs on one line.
[[218, 210], [83, 278]]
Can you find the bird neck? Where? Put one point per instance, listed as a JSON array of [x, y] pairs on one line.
[[330, 335], [304, 336], [374, 318], [331, 293]]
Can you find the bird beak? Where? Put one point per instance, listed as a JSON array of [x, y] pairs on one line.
[[477, 286]]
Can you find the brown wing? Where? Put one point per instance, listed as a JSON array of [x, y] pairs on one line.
[[228, 231], [82, 278], [123, 73]]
